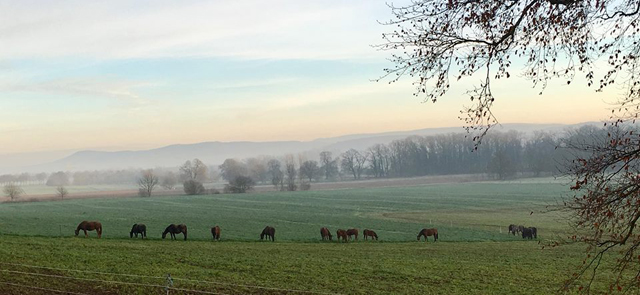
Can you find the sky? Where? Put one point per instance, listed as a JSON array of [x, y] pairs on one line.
[[113, 75]]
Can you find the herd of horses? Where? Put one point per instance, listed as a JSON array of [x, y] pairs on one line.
[[268, 232], [527, 232]]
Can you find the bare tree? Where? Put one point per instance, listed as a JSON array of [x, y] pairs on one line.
[[329, 165], [275, 172], [290, 173], [169, 181], [13, 191], [436, 40], [353, 161], [309, 169], [379, 160], [194, 170], [147, 183], [62, 192]]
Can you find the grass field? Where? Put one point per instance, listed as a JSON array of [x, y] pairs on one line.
[[474, 255]]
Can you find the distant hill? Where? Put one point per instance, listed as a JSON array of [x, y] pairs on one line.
[[214, 153]]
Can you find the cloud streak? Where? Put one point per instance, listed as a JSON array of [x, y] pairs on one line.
[[91, 87], [116, 29]]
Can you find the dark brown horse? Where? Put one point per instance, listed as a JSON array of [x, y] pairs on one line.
[[530, 232], [428, 232], [341, 233], [215, 232], [173, 229], [138, 228], [326, 234], [89, 226], [352, 232], [369, 233], [270, 232]]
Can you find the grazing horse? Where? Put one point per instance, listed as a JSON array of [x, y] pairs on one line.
[[173, 229], [326, 234], [369, 233], [527, 232], [341, 233], [270, 232], [513, 229], [352, 232], [428, 232], [89, 226], [215, 232], [138, 228]]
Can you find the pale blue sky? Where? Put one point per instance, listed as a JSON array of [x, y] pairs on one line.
[[131, 75]]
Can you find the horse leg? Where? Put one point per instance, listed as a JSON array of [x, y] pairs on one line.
[[86, 235]]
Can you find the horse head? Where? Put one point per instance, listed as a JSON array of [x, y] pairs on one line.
[[77, 232]]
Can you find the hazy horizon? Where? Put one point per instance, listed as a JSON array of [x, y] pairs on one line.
[[129, 76]]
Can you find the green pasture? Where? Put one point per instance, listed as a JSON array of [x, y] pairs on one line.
[[461, 212], [354, 268], [474, 255]]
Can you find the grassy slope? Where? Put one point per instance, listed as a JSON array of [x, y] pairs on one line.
[[472, 257]]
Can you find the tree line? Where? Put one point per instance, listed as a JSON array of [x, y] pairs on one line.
[[502, 154]]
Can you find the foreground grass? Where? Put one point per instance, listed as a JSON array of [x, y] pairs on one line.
[[354, 268]]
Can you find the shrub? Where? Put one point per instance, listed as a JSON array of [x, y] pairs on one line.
[[192, 187], [238, 185]]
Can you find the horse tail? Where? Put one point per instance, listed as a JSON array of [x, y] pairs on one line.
[[185, 233], [99, 230], [436, 235]]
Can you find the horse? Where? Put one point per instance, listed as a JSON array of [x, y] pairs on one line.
[[138, 228], [428, 232], [270, 232], [534, 232], [352, 232], [341, 233], [527, 232], [215, 232], [326, 234], [513, 229], [89, 226], [173, 229], [369, 233]]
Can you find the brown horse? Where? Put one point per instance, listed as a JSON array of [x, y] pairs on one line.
[[138, 228], [352, 232], [270, 232], [89, 226], [341, 233], [215, 232], [173, 229], [369, 233], [326, 234], [428, 232]]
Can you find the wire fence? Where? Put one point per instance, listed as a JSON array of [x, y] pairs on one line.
[[168, 286]]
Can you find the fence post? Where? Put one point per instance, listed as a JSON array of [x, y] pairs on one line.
[[169, 283]]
